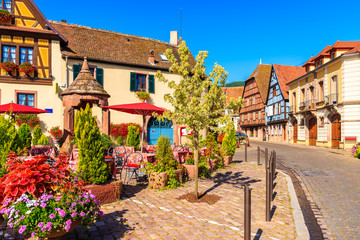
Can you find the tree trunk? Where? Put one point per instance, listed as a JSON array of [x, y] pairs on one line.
[[196, 162]]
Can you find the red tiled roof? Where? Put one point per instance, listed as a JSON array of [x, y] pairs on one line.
[[234, 92], [323, 53], [26, 29], [286, 74], [344, 44], [354, 50], [262, 75], [308, 62], [113, 47]]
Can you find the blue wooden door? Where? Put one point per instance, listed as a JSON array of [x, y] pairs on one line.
[[157, 128]]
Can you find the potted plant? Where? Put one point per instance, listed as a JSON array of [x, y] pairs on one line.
[[143, 96], [43, 201], [166, 171], [5, 16], [212, 152], [56, 133], [190, 167], [27, 68], [9, 67], [228, 146]]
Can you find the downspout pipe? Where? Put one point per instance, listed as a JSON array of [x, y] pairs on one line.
[[67, 71]]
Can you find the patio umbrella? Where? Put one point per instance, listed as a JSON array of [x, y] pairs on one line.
[[144, 109], [20, 109]]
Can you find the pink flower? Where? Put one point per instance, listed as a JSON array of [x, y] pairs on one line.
[[43, 205], [11, 225], [33, 234], [22, 229], [68, 222], [67, 227], [74, 214], [82, 214], [62, 213], [101, 213], [51, 216], [40, 224]]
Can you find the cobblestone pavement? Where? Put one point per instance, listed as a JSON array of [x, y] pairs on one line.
[[333, 182], [143, 213]]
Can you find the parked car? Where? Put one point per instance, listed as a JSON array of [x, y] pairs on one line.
[[242, 137]]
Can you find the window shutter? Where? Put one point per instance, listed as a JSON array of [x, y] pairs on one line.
[[151, 84], [76, 70], [132, 81], [100, 76]]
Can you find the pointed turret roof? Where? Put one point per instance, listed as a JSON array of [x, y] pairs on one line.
[[85, 83]]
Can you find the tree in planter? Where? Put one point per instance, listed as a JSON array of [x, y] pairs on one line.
[[133, 137], [7, 137], [165, 162], [91, 166], [198, 99], [228, 146], [36, 135]]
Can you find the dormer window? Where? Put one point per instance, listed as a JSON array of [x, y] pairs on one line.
[[5, 5], [332, 55], [307, 68], [163, 57]]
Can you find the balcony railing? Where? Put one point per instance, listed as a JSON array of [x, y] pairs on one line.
[[332, 99]]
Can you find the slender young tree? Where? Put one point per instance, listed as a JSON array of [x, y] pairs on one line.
[[198, 99]]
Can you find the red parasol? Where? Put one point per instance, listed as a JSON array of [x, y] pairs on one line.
[[144, 109], [20, 109]]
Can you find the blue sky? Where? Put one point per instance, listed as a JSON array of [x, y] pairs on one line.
[[236, 33]]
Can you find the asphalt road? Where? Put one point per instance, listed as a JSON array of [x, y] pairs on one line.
[[333, 181]]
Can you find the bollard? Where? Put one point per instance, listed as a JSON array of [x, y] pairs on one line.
[[268, 195], [247, 212], [274, 167], [266, 158], [258, 156], [245, 152]]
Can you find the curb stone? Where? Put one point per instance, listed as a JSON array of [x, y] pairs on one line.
[[301, 229]]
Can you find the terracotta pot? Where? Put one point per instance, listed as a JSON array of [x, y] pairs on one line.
[[227, 160], [212, 163], [107, 193], [159, 180], [179, 174], [60, 233], [190, 170]]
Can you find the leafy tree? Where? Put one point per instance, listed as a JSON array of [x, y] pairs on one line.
[[36, 135], [133, 137], [8, 134], [91, 148], [44, 140], [228, 146], [198, 99]]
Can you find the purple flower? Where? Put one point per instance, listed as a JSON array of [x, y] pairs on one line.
[[40, 224], [48, 226], [87, 200], [101, 213], [11, 225], [82, 214], [22, 229], [74, 214], [62, 213], [43, 205], [2, 210], [33, 234], [51, 216], [22, 218], [68, 222], [71, 208], [67, 227], [43, 229], [73, 204], [58, 198]]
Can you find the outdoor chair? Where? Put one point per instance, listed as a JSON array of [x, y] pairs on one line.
[[150, 148], [132, 166], [119, 152]]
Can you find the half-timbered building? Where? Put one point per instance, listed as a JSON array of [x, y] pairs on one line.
[[252, 113], [277, 108]]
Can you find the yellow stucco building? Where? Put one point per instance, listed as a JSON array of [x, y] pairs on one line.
[[324, 104]]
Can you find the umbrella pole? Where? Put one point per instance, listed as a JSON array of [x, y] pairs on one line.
[[142, 134]]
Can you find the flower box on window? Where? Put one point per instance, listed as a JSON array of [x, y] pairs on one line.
[[9, 67], [143, 96], [5, 17], [27, 69]]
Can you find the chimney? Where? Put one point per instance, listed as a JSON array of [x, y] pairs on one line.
[[174, 37], [63, 21], [151, 58]]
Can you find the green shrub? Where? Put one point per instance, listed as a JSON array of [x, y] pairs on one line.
[[43, 140], [106, 141], [120, 140], [91, 166], [133, 137], [8, 135], [36, 135], [23, 138], [228, 146]]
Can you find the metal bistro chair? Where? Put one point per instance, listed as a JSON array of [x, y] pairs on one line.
[[132, 165], [119, 153]]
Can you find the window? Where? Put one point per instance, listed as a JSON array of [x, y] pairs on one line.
[[279, 108], [248, 102], [5, 5], [26, 99], [8, 53], [251, 85], [321, 91], [243, 117], [254, 115], [254, 100], [321, 120], [332, 55], [26, 55], [138, 82], [260, 114], [248, 118], [302, 95], [307, 68], [163, 57]]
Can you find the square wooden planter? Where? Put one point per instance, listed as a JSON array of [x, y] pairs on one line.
[[159, 180], [107, 193]]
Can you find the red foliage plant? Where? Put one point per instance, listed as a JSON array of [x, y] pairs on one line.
[[56, 132], [9, 66], [27, 68], [30, 119], [5, 16], [121, 129], [33, 176]]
